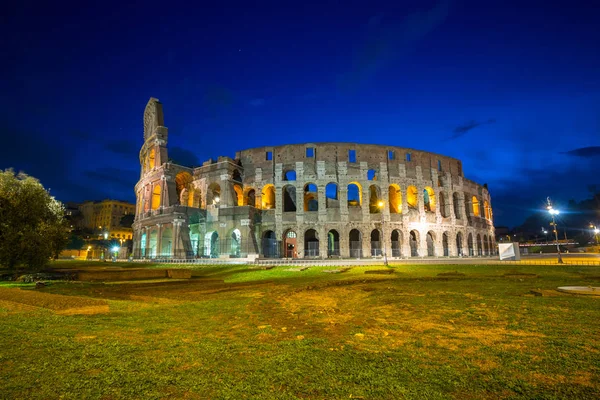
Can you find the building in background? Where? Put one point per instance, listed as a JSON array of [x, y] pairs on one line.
[[103, 218]]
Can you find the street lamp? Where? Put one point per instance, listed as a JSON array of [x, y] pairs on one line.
[[381, 205], [554, 212], [596, 231]]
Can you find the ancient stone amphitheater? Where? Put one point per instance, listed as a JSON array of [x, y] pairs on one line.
[[311, 200]]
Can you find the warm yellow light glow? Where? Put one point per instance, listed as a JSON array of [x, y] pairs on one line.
[[411, 196], [156, 197], [268, 197], [380, 204], [476, 207]]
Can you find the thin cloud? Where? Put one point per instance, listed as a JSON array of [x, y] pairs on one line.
[[465, 128], [586, 152]]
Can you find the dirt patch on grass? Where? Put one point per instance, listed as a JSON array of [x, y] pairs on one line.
[[64, 305]]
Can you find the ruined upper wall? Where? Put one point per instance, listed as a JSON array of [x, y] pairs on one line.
[[332, 153]]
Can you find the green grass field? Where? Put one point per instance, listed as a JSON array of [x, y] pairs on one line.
[[235, 333]]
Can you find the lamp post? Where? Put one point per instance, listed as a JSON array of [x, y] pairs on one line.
[[554, 212], [381, 205], [596, 231]]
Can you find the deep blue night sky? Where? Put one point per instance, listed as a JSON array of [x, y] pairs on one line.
[[510, 88]]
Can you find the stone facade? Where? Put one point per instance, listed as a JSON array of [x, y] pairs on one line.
[[314, 200]]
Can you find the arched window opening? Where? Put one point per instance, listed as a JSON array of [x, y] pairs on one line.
[[485, 246], [183, 185], [456, 204], [213, 197], [332, 195], [376, 243], [289, 198], [396, 243], [355, 239], [211, 244], [371, 175], [445, 244], [236, 244], [479, 245], [250, 198], [333, 243], [374, 199], [476, 206], [153, 242], [414, 244], [459, 244], [443, 205], [412, 197], [268, 197], [311, 243], [487, 211], [429, 199], [156, 197], [311, 202], [430, 244], [289, 244], [269, 245], [289, 175], [354, 194], [143, 245], [395, 197], [166, 243], [237, 195], [470, 245]]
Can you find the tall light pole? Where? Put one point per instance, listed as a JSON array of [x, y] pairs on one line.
[[381, 205], [554, 212]]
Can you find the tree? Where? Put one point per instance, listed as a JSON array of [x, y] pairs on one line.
[[32, 223]]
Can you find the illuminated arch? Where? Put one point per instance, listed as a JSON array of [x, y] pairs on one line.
[[395, 199], [250, 197], [156, 197], [412, 196], [374, 198], [487, 210], [476, 211], [152, 159], [183, 185], [429, 199], [237, 195], [354, 194], [268, 197], [213, 195], [311, 201]]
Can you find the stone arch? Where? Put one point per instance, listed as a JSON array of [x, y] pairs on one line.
[[412, 196], [236, 176], [183, 185], [479, 245], [269, 244], [446, 244], [213, 195], [311, 243], [374, 199], [290, 245], [333, 243], [156, 197], [459, 244], [235, 246], [456, 204], [443, 202], [237, 195], [354, 194], [487, 210], [288, 194], [211, 244], [470, 244], [376, 243], [166, 242], [476, 211], [486, 251], [311, 199], [332, 195], [430, 239], [429, 199], [268, 197], [250, 197], [355, 243], [395, 199], [396, 243], [414, 243], [153, 242], [289, 175]]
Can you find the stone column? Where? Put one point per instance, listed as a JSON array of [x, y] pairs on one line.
[[322, 199], [175, 241], [343, 198], [366, 243], [158, 240], [344, 243], [323, 240]]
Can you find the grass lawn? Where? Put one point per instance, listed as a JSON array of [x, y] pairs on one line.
[[235, 333]]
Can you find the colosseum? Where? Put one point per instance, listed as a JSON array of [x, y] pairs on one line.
[[311, 200]]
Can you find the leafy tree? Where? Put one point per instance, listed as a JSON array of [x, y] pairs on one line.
[[32, 223], [76, 242]]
